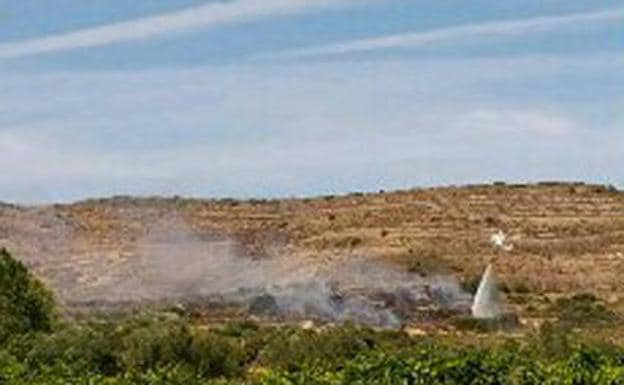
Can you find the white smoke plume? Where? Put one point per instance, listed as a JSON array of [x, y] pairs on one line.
[[177, 265]]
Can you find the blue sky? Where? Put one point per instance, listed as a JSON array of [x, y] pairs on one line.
[[250, 98]]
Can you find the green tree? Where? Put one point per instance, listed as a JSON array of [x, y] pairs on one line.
[[25, 303]]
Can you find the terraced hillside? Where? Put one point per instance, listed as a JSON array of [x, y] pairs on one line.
[[566, 237]]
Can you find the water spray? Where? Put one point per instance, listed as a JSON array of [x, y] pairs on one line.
[[486, 304]]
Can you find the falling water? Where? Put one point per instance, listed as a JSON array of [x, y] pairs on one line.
[[486, 302]]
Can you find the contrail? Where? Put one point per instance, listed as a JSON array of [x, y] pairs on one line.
[[205, 16], [456, 33]]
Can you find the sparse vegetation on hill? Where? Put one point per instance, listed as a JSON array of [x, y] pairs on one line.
[[568, 242], [559, 230]]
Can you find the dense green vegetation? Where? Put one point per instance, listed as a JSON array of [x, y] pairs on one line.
[[25, 304], [166, 348]]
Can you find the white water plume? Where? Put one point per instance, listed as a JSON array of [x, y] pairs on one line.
[[500, 241], [486, 303]]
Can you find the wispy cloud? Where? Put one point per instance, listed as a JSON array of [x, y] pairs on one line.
[[205, 16], [271, 130], [458, 33]]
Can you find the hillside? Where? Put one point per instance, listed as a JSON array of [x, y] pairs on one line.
[[567, 238]]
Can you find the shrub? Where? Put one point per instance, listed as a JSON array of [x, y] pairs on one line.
[[505, 322], [90, 347], [239, 328], [159, 350], [425, 261], [10, 367], [292, 349], [289, 356], [583, 310], [213, 355], [148, 343]]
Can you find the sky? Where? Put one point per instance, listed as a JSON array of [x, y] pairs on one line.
[[280, 98]]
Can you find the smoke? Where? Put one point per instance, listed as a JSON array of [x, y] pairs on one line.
[[177, 265]]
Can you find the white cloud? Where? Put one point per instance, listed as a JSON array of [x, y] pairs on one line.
[[205, 16], [457, 33]]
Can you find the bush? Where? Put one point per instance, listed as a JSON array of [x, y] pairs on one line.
[[552, 341], [452, 366], [426, 261], [341, 355], [582, 310], [149, 343], [213, 355], [505, 322], [293, 349], [10, 367], [239, 329], [158, 350], [25, 304], [90, 347]]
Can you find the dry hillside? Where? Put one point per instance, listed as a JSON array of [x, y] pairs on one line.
[[567, 237]]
